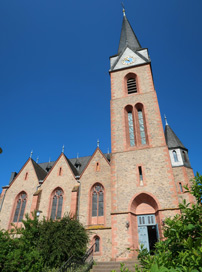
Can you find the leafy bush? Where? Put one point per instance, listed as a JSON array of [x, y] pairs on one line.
[[41, 246]]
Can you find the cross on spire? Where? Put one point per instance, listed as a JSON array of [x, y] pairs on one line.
[[124, 14]]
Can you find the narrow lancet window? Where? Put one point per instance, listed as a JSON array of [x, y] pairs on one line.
[[175, 156], [97, 244], [142, 128], [181, 188], [131, 128]]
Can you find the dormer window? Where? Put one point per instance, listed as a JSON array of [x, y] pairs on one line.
[[132, 85]]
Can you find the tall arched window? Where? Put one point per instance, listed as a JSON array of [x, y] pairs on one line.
[[57, 200], [131, 128], [141, 131], [175, 156], [142, 127], [20, 207], [97, 200]]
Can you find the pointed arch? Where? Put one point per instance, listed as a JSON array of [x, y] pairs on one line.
[[131, 83], [97, 204], [57, 197], [19, 207]]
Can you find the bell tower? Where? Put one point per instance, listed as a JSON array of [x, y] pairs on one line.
[[142, 181]]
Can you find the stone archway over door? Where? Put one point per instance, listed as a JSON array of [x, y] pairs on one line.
[[144, 221]]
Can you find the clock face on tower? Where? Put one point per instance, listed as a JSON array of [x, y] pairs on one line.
[[128, 60]]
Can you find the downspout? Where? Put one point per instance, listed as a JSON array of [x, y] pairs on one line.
[[78, 180], [3, 198]]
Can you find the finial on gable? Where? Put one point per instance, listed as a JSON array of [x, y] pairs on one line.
[[49, 159], [108, 150], [166, 120], [98, 143], [124, 14], [63, 149], [31, 153], [77, 155], [37, 159]]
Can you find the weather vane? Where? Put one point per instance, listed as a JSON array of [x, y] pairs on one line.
[[123, 8]]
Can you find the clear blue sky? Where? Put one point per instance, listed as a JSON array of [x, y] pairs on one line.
[[54, 81]]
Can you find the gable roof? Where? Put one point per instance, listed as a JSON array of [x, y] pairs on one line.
[[172, 140], [40, 172]]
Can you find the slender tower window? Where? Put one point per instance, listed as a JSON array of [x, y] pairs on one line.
[[181, 188], [142, 128], [97, 201], [20, 208], [60, 171], [97, 244], [57, 201], [175, 156], [131, 85], [131, 128], [184, 155]]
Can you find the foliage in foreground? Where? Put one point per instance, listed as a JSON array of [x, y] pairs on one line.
[[41, 245], [182, 249]]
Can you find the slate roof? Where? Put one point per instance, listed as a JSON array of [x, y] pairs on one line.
[[40, 172], [128, 37], [172, 140], [83, 161]]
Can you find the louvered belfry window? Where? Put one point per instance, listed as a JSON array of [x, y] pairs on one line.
[[20, 207], [57, 200], [97, 200], [132, 85]]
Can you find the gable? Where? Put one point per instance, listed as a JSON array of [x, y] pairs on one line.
[[137, 58]]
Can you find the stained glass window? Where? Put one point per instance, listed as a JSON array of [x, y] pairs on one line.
[[98, 200], [131, 128], [57, 201], [20, 208], [142, 128]]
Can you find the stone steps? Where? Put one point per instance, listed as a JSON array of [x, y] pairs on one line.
[[109, 266]]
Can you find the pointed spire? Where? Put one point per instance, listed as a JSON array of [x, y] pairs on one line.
[[172, 140], [98, 143], [31, 153], [166, 120], [63, 149], [128, 37]]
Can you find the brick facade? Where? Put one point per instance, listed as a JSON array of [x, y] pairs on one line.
[[137, 180]]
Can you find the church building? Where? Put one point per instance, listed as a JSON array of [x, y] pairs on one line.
[[123, 197]]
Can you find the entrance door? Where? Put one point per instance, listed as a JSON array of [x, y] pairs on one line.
[[147, 231]]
